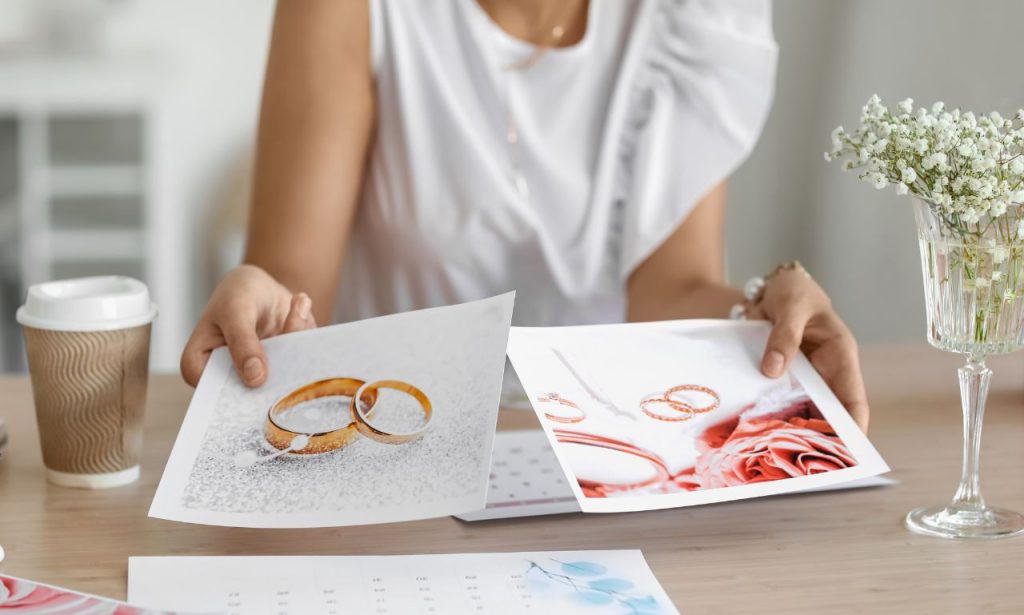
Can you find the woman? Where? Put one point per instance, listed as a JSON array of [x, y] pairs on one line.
[[424, 152]]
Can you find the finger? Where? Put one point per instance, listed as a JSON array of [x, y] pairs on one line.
[[300, 314], [755, 312], [861, 414], [844, 379], [197, 351], [783, 342], [838, 362], [246, 350]]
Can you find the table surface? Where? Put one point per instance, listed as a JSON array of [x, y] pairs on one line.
[[846, 550]]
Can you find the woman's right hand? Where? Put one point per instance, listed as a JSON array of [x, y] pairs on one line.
[[247, 306]]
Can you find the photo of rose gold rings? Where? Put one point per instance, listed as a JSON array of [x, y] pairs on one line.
[[672, 395], [650, 405], [565, 403], [682, 410]]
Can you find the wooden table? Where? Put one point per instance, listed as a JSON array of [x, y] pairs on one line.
[[846, 551]]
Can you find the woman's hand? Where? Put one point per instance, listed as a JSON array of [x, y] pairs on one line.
[[803, 319], [247, 306]]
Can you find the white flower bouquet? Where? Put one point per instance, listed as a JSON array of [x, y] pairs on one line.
[[970, 168], [967, 173]]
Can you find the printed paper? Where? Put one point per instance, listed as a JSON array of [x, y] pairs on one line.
[[527, 481], [19, 595], [224, 469], [566, 582], [660, 415]]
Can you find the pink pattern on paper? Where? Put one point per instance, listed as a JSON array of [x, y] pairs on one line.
[[22, 596], [794, 441]]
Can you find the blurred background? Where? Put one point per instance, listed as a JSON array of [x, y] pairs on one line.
[[127, 126]]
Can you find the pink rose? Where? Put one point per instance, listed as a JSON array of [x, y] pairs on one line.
[[794, 441]]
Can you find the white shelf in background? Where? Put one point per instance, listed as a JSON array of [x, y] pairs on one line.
[[94, 180], [114, 244]]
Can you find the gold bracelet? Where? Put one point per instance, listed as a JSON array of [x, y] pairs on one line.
[[370, 391], [322, 442]]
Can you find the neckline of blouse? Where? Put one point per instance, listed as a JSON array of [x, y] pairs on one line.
[[518, 46]]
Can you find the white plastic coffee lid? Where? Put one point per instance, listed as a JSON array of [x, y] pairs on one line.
[[101, 303]]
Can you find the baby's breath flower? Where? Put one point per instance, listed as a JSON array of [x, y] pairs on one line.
[[969, 167], [967, 148], [1000, 254]]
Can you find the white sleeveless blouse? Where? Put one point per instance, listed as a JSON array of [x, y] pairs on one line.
[[614, 140]]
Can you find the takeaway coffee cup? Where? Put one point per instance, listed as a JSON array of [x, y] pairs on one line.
[[87, 342]]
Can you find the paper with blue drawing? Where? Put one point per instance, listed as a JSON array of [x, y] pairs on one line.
[[563, 582]]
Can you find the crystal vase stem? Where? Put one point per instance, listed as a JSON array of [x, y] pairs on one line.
[[974, 381]]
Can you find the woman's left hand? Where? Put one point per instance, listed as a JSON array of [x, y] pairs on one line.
[[803, 319]]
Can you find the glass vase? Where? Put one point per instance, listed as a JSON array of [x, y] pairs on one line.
[[974, 297]]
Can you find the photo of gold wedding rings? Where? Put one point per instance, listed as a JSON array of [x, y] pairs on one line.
[[362, 406], [370, 392]]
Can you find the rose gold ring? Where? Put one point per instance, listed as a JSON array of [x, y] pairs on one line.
[[558, 418], [683, 412], [715, 399]]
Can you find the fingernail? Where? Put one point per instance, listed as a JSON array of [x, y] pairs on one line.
[[304, 307], [773, 364], [252, 369]]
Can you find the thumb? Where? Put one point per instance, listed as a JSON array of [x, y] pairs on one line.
[[783, 344], [246, 351]]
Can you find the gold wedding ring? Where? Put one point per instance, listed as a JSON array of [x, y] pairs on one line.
[[360, 416], [322, 442]]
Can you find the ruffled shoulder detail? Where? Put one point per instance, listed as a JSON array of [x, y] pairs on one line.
[[699, 98]]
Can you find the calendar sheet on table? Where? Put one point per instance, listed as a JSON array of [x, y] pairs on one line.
[[563, 582]]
